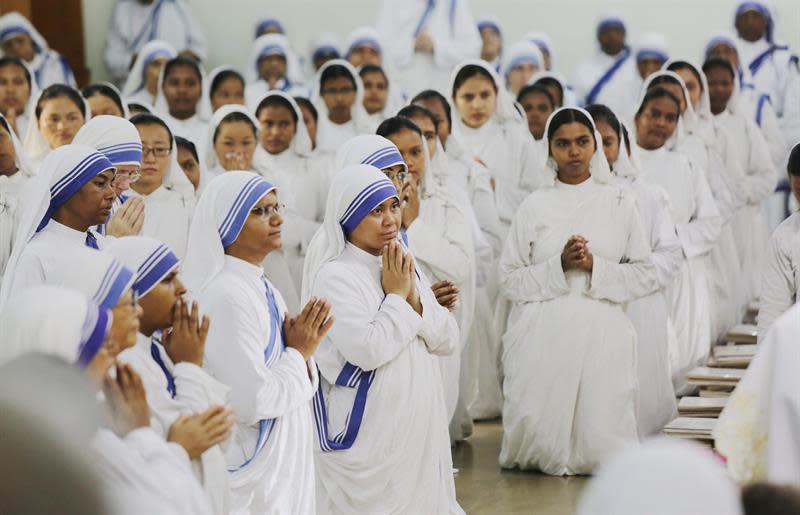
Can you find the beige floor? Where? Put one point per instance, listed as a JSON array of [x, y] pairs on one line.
[[483, 488]]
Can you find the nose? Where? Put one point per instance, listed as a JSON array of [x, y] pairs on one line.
[[276, 220], [180, 289]]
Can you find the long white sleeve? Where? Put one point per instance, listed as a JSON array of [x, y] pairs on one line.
[[464, 42], [700, 234], [667, 254], [778, 276], [759, 180], [116, 55], [438, 247]]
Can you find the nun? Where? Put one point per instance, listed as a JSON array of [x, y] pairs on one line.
[[135, 24], [521, 62], [60, 112], [71, 193], [168, 195], [105, 99], [576, 252], [271, 67], [381, 100], [380, 388], [338, 96], [538, 104], [141, 84], [20, 39], [655, 402], [168, 356], [254, 347], [557, 86], [14, 174], [189, 161], [427, 40], [18, 94], [179, 100], [232, 135], [597, 77], [780, 275], [269, 25], [697, 221], [324, 48], [225, 86], [491, 41]]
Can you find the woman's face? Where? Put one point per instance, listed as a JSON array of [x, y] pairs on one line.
[[125, 324], [442, 124], [277, 128], [693, 86], [720, 88], [90, 205], [364, 54], [151, 73], [520, 75], [101, 104], [610, 141], [339, 95], [794, 184], [272, 68], [261, 233], [572, 147], [648, 66], [538, 109], [20, 46], [725, 52], [235, 145], [476, 101], [159, 303], [376, 91], [14, 89], [656, 123], [190, 166], [156, 145], [378, 228], [8, 155], [59, 121], [428, 129], [410, 145], [182, 89], [676, 90], [229, 91]]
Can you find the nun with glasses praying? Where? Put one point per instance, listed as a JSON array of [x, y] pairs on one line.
[[14, 174], [141, 86], [575, 254], [71, 194], [380, 387], [254, 347]]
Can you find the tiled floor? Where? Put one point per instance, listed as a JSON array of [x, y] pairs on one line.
[[483, 488]]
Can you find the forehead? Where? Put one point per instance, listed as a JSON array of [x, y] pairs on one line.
[[183, 71], [273, 112], [374, 75], [338, 81], [663, 104], [572, 130], [12, 69], [152, 131], [476, 83], [235, 127], [423, 122], [270, 199], [63, 104]]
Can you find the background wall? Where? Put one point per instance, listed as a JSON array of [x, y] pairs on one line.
[[229, 24]]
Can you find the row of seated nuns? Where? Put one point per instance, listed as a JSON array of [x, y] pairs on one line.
[[295, 295]]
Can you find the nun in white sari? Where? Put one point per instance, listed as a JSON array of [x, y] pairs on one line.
[[138, 87], [13, 177], [40, 240], [258, 85], [49, 67], [271, 456], [380, 388], [330, 134]]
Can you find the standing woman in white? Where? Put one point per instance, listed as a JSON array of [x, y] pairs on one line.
[[380, 409], [575, 254]]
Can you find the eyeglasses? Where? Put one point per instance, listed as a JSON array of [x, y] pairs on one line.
[[127, 177], [157, 152], [337, 91], [400, 176], [268, 212]]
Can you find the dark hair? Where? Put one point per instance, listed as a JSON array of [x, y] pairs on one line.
[[60, 91], [234, 117], [177, 62], [793, 166], [151, 119], [336, 71], [303, 102], [667, 79], [550, 81], [372, 68], [410, 111], [536, 88], [432, 94], [136, 106], [15, 61], [716, 62], [656, 93], [469, 71], [566, 116], [601, 112], [275, 101], [770, 499], [396, 124], [4, 124], [684, 65], [222, 77], [182, 142], [104, 90], [626, 137]]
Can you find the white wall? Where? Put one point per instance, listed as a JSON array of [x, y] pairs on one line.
[[229, 23]]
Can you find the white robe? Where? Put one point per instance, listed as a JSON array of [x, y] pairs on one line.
[[195, 129], [280, 479], [9, 214], [569, 354], [400, 461], [780, 277], [697, 222], [50, 67], [195, 391], [775, 75], [589, 71], [331, 136], [131, 28], [168, 215]]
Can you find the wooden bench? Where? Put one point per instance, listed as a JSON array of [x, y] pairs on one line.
[[742, 334], [694, 428], [710, 377], [706, 407]]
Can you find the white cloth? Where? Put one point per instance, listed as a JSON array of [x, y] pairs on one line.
[[10, 192], [134, 89], [774, 76], [134, 24], [662, 477], [590, 70], [522, 52], [34, 143], [780, 275], [756, 431], [49, 67], [569, 99], [256, 87], [330, 136], [448, 23]]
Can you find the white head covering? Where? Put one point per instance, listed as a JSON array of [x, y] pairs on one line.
[[701, 119], [62, 174], [218, 219], [21, 159], [114, 137], [395, 100], [505, 112], [598, 165], [207, 106], [35, 144], [359, 114], [210, 159], [611, 19], [688, 119], [545, 44], [271, 44], [662, 477], [136, 77], [53, 320], [652, 45], [565, 96], [13, 24], [324, 43], [355, 191], [97, 275], [150, 260], [522, 52], [363, 36], [160, 105], [626, 165], [115, 91], [29, 111], [263, 162], [368, 149], [766, 8]]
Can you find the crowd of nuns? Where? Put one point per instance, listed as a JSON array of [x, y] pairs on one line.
[[294, 287]]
